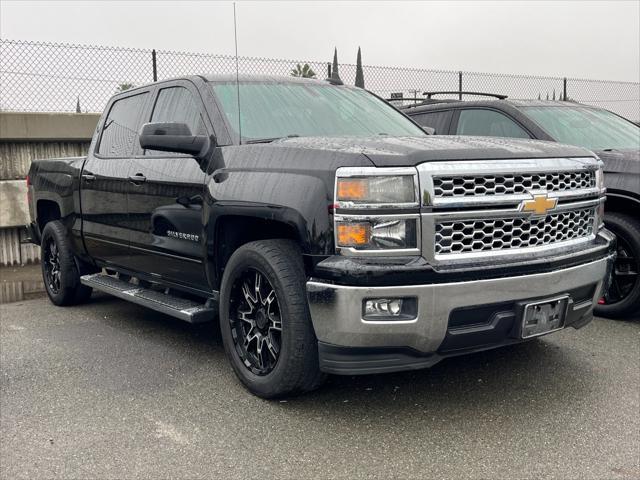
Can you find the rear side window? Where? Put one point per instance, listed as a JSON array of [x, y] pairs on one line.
[[177, 104], [120, 130], [436, 120], [488, 123]]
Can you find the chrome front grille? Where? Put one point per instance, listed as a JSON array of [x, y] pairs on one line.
[[487, 211], [511, 184], [475, 236]]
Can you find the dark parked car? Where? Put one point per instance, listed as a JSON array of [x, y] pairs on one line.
[[614, 139], [327, 231]]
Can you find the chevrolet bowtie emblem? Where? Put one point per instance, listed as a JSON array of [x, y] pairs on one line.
[[540, 204]]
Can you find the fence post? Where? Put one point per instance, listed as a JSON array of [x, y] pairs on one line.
[[155, 67], [564, 89], [460, 85]]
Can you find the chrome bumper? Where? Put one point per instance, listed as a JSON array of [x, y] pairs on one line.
[[336, 310]]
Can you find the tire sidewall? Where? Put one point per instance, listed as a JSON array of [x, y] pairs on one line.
[[623, 226], [243, 259], [69, 278]]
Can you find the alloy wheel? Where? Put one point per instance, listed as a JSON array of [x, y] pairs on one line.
[[256, 324], [52, 266]]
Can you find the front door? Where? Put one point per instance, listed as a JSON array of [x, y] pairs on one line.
[[104, 180], [165, 197]]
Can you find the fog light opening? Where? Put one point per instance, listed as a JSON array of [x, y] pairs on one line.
[[384, 309]]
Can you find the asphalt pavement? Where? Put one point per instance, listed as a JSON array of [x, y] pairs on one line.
[[112, 390]]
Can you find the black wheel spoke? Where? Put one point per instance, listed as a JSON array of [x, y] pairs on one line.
[[256, 322], [51, 264]]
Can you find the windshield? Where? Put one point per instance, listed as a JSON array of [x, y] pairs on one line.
[[275, 110], [591, 128]]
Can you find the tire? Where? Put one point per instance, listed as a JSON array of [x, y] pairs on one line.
[[290, 364], [623, 297], [59, 268]]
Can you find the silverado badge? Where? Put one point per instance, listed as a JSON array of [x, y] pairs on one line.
[[539, 205]]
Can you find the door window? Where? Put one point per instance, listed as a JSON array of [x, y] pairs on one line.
[[177, 104], [120, 131], [488, 123], [436, 120]]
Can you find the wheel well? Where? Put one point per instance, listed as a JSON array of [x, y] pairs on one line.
[[47, 211], [234, 231], [622, 204]]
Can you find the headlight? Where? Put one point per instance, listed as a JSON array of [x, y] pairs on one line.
[[377, 211], [373, 190]]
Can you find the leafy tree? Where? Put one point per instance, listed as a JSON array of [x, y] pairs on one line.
[[123, 87], [304, 71], [359, 71]]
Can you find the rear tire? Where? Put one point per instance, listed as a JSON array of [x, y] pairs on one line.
[[59, 269], [265, 321], [623, 297]]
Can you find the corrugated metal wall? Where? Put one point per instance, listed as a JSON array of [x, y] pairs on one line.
[[12, 252], [15, 160], [16, 157]]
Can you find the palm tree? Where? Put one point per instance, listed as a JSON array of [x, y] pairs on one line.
[[123, 87], [304, 71]]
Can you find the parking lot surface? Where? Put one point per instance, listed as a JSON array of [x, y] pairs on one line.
[[112, 390]]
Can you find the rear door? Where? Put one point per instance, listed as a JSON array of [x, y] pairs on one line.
[[439, 120], [487, 123], [165, 196], [104, 180]]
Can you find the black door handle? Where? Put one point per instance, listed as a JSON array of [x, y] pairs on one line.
[[137, 179], [88, 177]]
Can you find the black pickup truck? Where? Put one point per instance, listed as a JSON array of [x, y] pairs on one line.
[[327, 231]]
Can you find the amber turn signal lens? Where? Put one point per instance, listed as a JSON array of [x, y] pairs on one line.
[[352, 189], [353, 234]]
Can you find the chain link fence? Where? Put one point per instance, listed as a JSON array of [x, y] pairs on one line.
[[50, 77]]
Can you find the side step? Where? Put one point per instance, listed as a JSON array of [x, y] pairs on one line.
[[182, 308]]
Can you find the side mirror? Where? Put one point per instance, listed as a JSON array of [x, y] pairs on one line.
[[429, 130], [172, 137]]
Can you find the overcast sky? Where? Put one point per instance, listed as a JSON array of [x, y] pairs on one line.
[[585, 39]]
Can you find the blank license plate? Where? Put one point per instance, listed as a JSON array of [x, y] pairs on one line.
[[543, 317]]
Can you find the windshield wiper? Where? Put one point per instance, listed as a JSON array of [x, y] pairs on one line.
[[269, 140]]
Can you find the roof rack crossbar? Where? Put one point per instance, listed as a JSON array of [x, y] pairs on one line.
[[458, 92]]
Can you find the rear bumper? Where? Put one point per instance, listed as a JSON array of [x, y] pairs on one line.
[[452, 318]]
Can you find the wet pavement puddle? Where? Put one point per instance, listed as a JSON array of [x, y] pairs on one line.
[[20, 283]]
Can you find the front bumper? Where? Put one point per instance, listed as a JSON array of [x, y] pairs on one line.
[[453, 317]]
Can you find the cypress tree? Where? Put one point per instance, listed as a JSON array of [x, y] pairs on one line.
[[359, 71], [335, 75]]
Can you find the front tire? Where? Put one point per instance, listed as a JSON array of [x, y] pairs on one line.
[[265, 322], [623, 297], [59, 269]]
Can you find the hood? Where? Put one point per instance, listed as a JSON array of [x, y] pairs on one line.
[[620, 161], [408, 151]]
